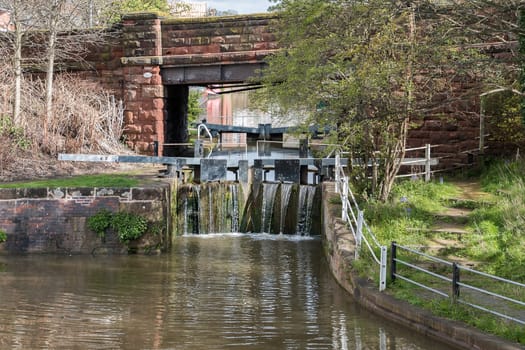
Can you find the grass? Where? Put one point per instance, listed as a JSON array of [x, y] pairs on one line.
[[494, 243], [99, 180], [445, 308]]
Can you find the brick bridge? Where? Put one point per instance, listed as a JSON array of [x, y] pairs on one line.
[[152, 61]]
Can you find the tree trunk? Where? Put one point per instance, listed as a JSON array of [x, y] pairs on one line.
[[18, 74], [49, 83], [397, 151]]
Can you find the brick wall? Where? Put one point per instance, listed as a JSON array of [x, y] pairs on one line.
[[55, 220]]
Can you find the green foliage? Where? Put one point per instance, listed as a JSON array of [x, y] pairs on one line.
[[13, 133], [504, 119], [444, 308], [128, 226], [100, 180], [502, 175], [3, 236], [100, 222], [194, 107], [410, 211], [500, 227], [355, 63], [521, 37], [121, 7]]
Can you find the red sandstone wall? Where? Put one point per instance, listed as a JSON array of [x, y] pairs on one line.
[[242, 35]]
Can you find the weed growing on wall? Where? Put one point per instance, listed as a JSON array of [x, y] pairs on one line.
[[128, 226], [100, 222], [3, 236]]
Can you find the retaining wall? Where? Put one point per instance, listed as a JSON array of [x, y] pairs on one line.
[[54, 220], [339, 247]]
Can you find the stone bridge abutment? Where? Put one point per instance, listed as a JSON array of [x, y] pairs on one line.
[[161, 58]]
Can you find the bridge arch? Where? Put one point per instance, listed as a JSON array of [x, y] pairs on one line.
[[162, 58]]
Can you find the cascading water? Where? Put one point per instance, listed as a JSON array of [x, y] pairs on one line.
[[268, 201], [234, 190], [276, 208], [304, 212], [207, 208], [286, 191]]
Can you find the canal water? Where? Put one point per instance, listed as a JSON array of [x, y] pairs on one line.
[[211, 292]]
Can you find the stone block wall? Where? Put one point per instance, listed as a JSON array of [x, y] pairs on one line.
[[55, 220], [144, 93], [236, 38]]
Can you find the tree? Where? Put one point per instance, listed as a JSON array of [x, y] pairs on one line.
[[356, 59], [22, 18], [194, 106], [374, 68], [118, 7]]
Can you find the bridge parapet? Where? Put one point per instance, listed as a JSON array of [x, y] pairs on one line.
[[216, 35]]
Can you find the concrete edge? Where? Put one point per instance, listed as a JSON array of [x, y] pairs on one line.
[[339, 247]]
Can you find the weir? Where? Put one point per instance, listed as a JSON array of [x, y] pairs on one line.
[[223, 207]]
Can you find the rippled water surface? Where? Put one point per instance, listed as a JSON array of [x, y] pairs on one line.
[[210, 292]]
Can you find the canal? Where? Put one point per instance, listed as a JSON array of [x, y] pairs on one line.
[[209, 292]]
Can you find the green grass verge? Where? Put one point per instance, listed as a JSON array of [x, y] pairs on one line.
[[494, 242], [444, 307], [99, 180]]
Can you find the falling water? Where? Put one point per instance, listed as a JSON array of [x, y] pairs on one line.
[[185, 222], [304, 210], [234, 190], [211, 212], [220, 208], [286, 191], [208, 208], [268, 200]]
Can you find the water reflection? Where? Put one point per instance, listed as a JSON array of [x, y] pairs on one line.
[[218, 292]]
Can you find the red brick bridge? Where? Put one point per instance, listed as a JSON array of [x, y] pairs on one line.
[[152, 61]]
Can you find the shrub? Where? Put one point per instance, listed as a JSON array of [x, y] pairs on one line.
[[128, 226], [100, 222]]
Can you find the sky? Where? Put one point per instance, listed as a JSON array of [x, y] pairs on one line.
[[241, 6]]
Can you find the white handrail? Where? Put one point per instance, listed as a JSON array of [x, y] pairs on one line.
[[207, 131], [358, 225]]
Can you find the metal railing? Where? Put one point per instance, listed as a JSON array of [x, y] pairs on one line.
[[354, 216], [450, 275], [428, 161]]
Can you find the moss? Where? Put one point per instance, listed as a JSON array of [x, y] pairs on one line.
[[141, 15], [234, 18]]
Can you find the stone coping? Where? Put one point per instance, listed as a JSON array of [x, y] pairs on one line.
[[339, 247], [144, 193]]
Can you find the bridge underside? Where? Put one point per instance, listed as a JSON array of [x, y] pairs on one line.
[[211, 74], [178, 79]]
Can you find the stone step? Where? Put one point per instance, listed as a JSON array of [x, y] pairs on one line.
[[443, 227]]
